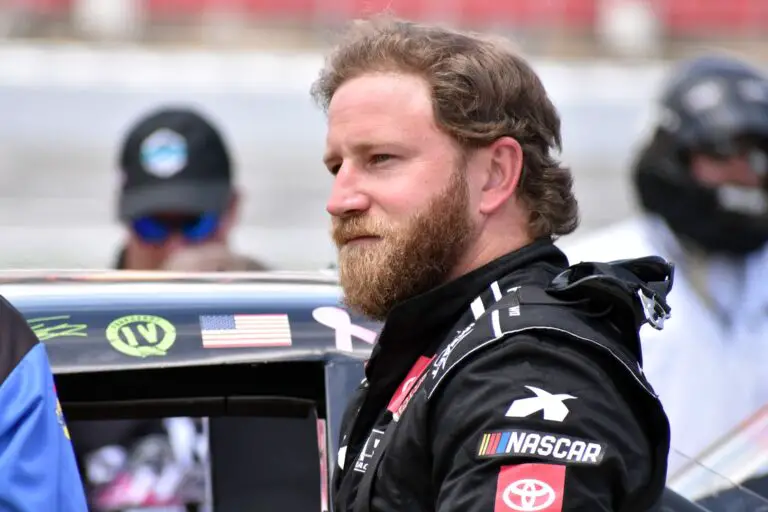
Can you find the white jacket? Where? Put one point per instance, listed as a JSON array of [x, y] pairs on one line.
[[708, 365]]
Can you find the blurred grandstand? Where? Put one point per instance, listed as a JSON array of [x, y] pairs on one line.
[[557, 28], [75, 73]]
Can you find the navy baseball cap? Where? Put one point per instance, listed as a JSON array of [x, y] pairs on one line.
[[174, 161]]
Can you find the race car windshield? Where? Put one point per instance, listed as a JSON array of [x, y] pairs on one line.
[[732, 474], [711, 491], [215, 431]]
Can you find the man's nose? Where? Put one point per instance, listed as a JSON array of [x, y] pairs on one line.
[[347, 197], [174, 243]]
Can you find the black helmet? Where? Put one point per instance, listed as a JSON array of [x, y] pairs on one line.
[[712, 105], [710, 102]]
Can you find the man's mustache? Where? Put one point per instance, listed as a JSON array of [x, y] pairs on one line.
[[345, 230]]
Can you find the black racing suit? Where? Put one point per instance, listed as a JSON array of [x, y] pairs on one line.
[[515, 401]]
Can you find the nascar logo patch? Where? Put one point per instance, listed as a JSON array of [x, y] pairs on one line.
[[546, 446]]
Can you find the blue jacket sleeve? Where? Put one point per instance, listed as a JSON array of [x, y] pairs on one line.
[[38, 471]]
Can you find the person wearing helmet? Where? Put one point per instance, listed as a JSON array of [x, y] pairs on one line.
[[705, 171], [702, 185]]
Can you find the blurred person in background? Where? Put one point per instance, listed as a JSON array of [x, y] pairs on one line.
[[702, 184], [176, 192], [177, 189]]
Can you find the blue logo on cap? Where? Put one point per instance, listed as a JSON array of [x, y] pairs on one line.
[[164, 153]]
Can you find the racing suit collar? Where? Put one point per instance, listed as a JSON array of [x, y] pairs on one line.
[[413, 326], [444, 304]]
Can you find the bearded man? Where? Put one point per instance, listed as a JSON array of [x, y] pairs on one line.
[[502, 379]]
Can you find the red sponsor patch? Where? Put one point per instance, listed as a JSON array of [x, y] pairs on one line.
[[530, 488], [406, 386]]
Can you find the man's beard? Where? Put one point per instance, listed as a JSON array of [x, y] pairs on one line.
[[405, 260]]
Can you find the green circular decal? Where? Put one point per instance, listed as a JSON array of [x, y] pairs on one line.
[[141, 335]]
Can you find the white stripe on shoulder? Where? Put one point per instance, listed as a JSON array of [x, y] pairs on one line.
[[496, 291], [478, 308], [495, 323]]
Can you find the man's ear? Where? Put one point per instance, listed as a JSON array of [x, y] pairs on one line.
[[505, 168]]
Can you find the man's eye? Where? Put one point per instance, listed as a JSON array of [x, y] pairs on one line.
[[378, 159]]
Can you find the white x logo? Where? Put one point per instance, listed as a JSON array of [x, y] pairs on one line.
[[552, 405]]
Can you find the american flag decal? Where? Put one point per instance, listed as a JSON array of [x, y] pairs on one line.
[[234, 331]]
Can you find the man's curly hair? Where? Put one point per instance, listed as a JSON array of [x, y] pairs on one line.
[[482, 89]]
